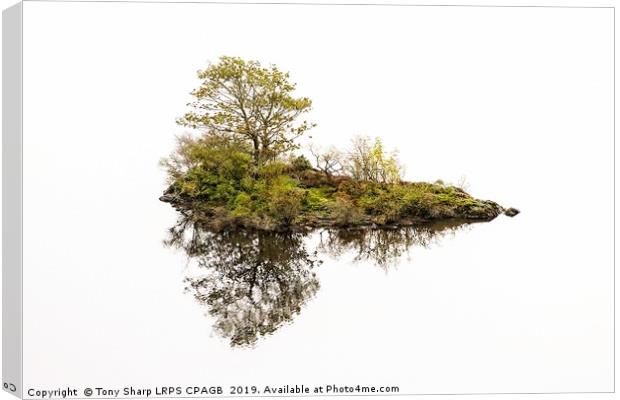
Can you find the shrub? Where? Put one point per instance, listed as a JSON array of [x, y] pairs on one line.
[[367, 161], [242, 205], [344, 211], [271, 170], [300, 164], [285, 204], [316, 199], [284, 199], [208, 167]]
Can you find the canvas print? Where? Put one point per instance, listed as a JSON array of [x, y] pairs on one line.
[[234, 199], [248, 200]]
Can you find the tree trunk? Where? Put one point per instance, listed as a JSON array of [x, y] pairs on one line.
[[256, 153]]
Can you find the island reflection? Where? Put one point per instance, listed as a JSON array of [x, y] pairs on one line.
[[254, 282], [385, 247]]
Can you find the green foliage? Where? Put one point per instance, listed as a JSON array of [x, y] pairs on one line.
[[272, 170], [241, 172], [301, 163], [317, 199], [285, 200], [221, 177], [367, 161], [242, 206], [250, 103], [208, 167], [387, 203]]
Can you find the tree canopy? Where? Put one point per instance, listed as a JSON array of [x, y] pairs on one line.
[[251, 103]]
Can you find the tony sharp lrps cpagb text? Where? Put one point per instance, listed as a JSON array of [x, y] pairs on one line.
[[129, 391]]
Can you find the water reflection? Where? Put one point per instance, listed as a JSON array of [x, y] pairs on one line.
[[385, 247], [252, 283]]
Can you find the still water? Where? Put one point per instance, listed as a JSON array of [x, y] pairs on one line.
[[253, 283], [446, 308]]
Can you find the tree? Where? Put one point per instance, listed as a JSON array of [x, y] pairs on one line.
[[367, 161], [249, 102], [329, 161]]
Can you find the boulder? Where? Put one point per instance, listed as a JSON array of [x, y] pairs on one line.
[[167, 198], [511, 212]]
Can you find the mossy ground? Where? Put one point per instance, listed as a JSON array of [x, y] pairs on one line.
[[286, 198]]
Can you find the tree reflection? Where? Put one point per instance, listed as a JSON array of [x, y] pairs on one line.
[[253, 282], [385, 247]]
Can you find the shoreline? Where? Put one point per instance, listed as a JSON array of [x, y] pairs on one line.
[[215, 220]]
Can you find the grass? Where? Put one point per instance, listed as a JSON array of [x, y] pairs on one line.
[[280, 199]]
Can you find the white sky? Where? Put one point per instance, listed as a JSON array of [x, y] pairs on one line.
[[519, 100]]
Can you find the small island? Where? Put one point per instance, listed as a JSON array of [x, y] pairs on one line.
[[243, 169]]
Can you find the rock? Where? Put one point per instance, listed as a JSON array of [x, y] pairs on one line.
[[475, 209], [167, 198], [511, 212]]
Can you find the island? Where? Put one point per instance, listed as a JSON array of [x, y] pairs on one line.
[[242, 165]]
